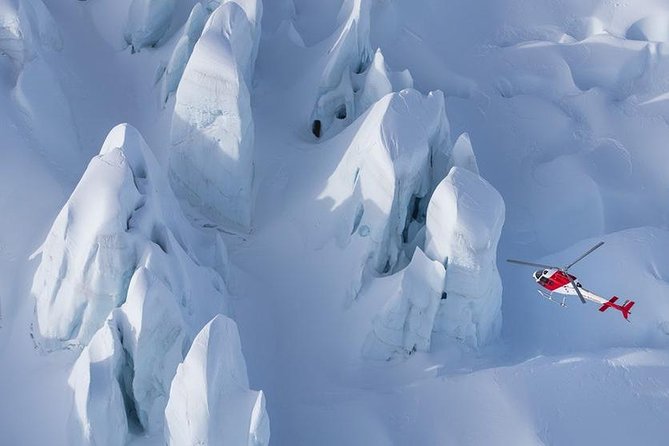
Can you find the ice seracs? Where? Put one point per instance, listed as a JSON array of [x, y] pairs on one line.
[[406, 321], [122, 215], [210, 401], [98, 415], [121, 379], [148, 21], [183, 49], [464, 223], [40, 109], [211, 161], [384, 179], [125, 276], [354, 76]]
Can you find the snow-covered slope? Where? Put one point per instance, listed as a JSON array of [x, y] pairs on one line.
[[313, 200]]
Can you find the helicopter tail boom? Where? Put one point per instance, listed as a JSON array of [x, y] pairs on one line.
[[624, 308]]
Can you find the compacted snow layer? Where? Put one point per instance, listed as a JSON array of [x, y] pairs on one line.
[[211, 159]]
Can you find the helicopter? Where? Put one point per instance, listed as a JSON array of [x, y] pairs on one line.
[[558, 280]]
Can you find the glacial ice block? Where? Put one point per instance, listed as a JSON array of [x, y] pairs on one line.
[[386, 172], [406, 321], [148, 21], [211, 162], [122, 215], [210, 401], [464, 222]]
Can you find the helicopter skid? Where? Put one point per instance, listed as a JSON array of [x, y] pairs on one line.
[[549, 297]]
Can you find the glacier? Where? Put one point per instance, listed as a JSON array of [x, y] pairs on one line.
[[305, 218]]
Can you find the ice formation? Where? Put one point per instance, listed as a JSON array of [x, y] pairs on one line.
[[140, 346], [210, 401], [25, 27], [406, 321], [462, 155], [385, 176], [121, 275], [121, 216], [211, 161], [148, 21], [183, 49], [354, 76], [464, 223], [99, 415], [27, 30]]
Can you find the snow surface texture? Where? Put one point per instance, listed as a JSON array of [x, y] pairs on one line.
[[210, 401], [211, 159], [560, 106]]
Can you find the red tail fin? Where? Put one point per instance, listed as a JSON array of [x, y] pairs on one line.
[[627, 306], [624, 308]]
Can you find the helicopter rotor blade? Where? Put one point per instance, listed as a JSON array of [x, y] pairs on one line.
[[580, 295], [582, 256], [539, 265]]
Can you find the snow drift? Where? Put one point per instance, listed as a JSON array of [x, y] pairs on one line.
[[211, 159]]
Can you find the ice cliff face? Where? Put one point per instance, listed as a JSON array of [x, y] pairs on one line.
[[210, 401], [211, 159]]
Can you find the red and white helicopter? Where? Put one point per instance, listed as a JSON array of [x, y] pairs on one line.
[[557, 280]]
